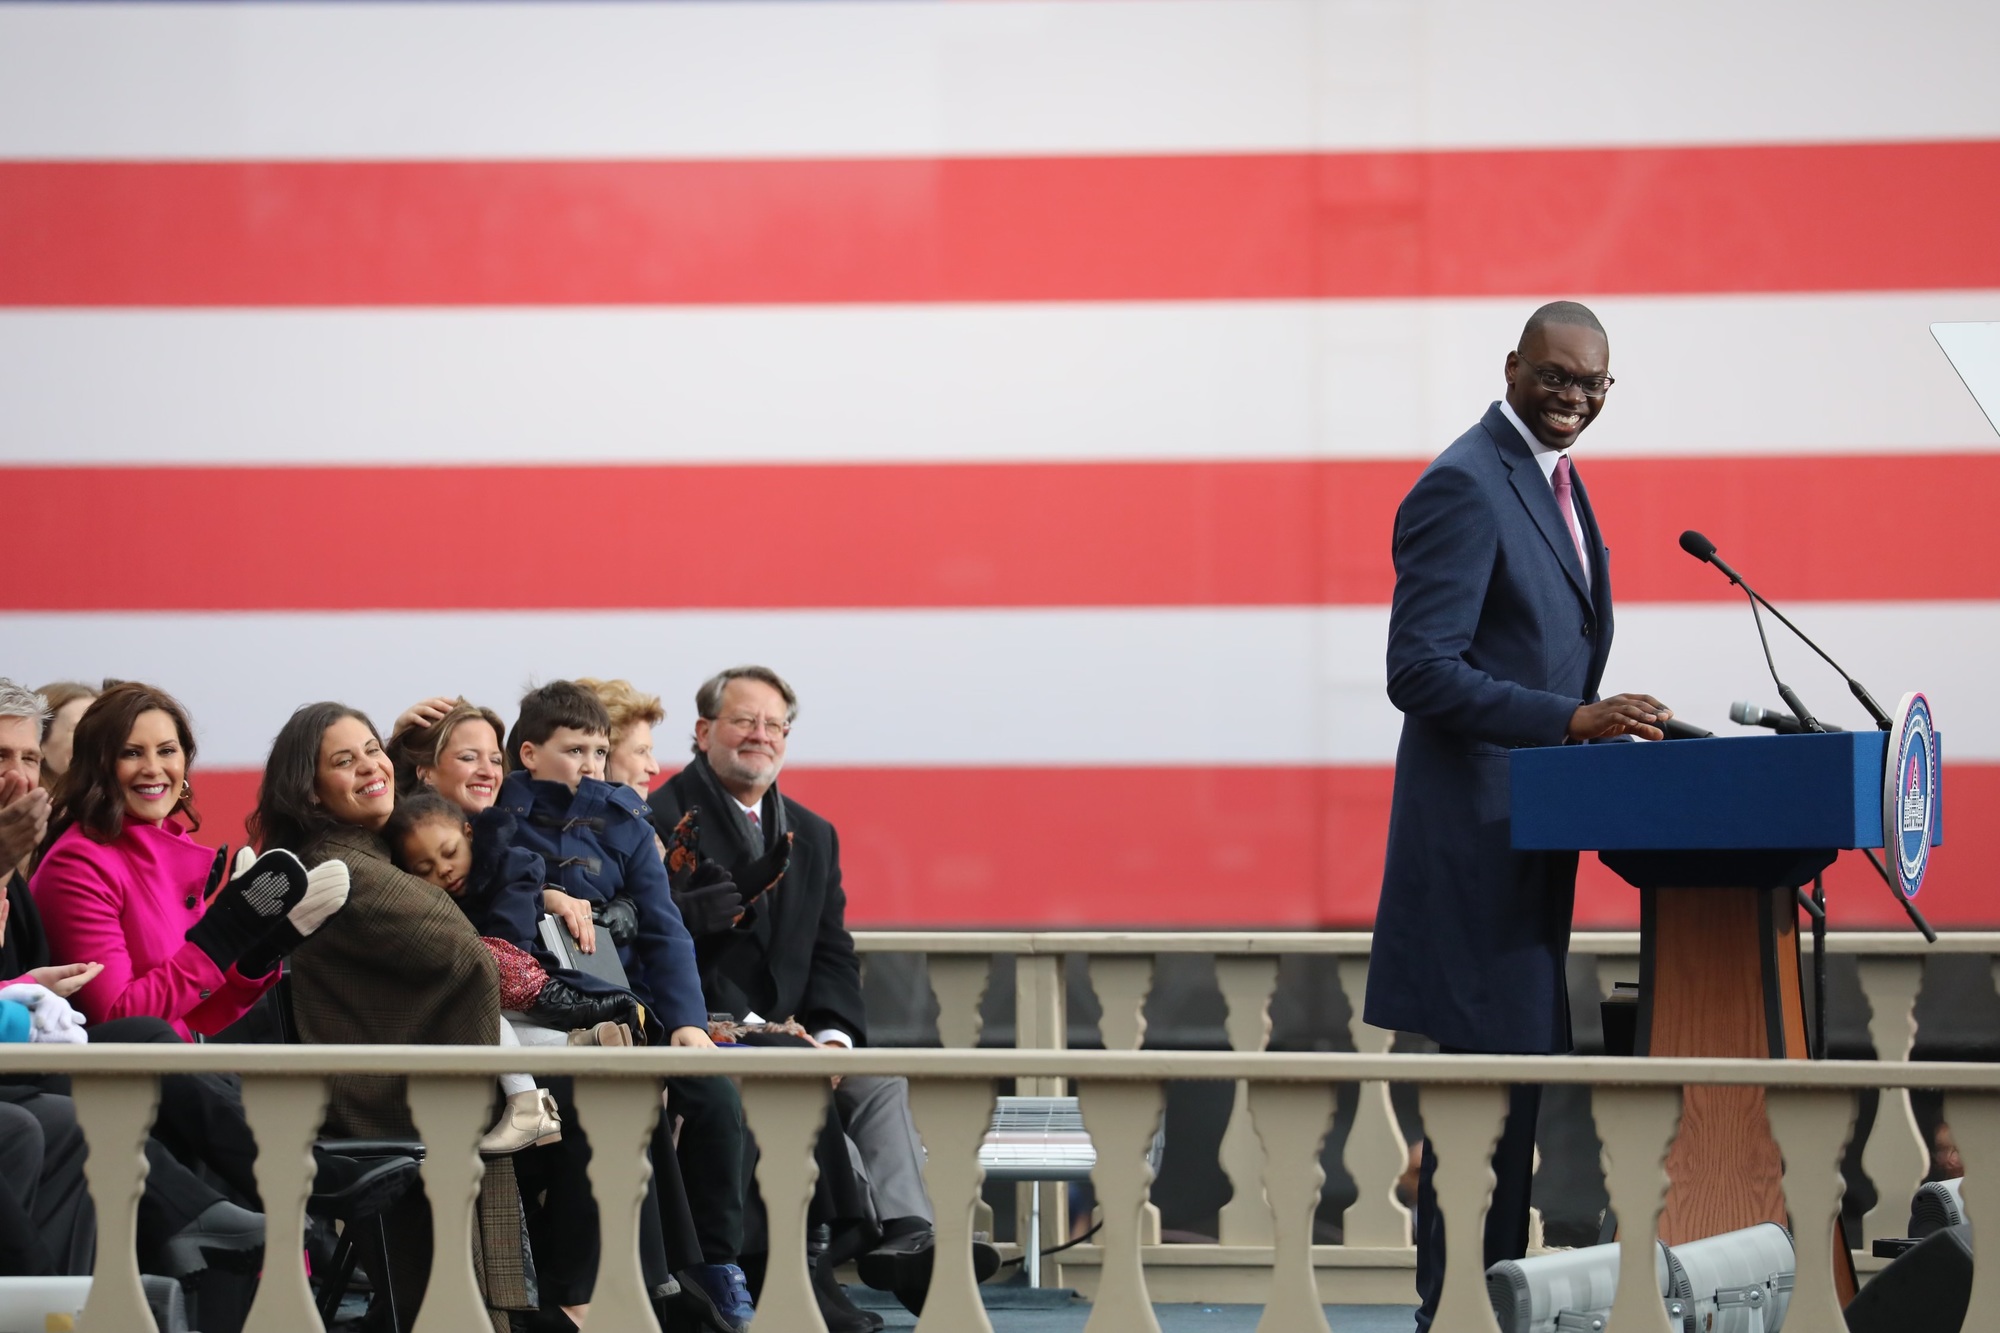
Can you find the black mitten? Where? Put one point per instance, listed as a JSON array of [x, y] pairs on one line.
[[619, 918], [762, 875], [565, 1007], [711, 903], [245, 909]]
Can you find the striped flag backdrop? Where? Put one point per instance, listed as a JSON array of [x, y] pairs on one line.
[[1033, 383]]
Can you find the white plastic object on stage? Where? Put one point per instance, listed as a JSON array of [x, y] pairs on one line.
[[1565, 1290], [1937, 1205], [1738, 1282], [33, 1304]]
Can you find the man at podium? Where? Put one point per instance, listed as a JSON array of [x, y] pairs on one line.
[[1498, 636]]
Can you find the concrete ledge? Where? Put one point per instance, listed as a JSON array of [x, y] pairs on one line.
[[1241, 1274]]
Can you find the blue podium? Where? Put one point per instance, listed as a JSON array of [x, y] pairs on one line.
[[1717, 835]]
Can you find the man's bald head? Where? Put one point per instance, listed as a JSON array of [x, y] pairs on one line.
[[1573, 313]]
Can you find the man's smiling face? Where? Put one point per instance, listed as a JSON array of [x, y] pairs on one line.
[[1556, 416]]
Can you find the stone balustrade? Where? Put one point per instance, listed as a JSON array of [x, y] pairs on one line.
[[1812, 1108], [1376, 1226]]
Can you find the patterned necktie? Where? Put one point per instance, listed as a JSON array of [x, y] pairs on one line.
[[756, 830], [1566, 502]]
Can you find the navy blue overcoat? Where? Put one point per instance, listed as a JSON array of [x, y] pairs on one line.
[[1495, 639], [597, 844]]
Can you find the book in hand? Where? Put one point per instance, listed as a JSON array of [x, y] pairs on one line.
[[603, 964]]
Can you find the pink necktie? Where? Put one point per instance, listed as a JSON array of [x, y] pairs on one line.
[[1566, 503]]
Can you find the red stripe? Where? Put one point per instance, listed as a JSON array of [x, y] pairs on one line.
[[962, 535], [1802, 218], [1200, 847]]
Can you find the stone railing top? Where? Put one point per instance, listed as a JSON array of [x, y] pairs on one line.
[[1345, 942], [116, 1059]]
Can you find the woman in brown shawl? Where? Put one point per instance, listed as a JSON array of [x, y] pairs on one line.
[[400, 965]]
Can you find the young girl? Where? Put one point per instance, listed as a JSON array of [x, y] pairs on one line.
[[499, 889]]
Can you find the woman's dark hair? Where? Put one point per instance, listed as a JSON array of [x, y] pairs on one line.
[[424, 746], [558, 704], [87, 795], [288, 813], [420, 807]]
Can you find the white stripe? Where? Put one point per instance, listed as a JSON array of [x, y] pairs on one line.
[[863, 79], [944, 688], [1342, 379]]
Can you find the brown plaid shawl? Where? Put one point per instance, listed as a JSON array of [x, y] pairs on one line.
[[401, 964]]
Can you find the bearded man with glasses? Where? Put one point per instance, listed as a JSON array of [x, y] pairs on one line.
[[757, 878], [1498, 636]]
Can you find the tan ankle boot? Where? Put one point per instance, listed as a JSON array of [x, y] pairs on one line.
[[530, 1121], [604, 1034]]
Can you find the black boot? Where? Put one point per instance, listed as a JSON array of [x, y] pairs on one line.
[[565, 1007], [841, 1314]]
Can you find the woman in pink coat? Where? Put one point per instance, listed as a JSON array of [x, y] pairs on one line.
[[121, 883]]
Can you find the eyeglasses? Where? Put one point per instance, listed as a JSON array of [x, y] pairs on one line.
[[1556, 381], [748, 725]]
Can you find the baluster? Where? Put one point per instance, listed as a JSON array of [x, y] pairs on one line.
[[285, 1115], [1464, 1125], [1246, 985], [1636, 1127], [1292, 1120], [952, 1118], [1896, 1157], [959, 981], [1122, 983], [1975, 1124], [1377, 1153], [1812, 1128], [1122, 1119], [451, 1114], [787, 1115], [619, 1115], [1041, 1023], [115, 1114]]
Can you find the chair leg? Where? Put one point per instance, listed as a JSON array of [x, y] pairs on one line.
[[388, 1283], [340, 1271]]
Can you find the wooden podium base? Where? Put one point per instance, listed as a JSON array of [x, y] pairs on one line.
[[1719, 977]]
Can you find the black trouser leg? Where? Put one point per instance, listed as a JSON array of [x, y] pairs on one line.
[[1506, 1221], [678, 1232], [22, 1253], [201, 1118], [563, 1229], [712, 1160]]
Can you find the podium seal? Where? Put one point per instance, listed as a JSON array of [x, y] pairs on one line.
[[1910, 792]]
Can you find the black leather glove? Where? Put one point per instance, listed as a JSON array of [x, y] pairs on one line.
[[619, 919], [711, 903], [248, 907], [762, 875]]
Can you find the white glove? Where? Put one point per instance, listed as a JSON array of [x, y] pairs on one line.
[[53, 1019], [326, 893]]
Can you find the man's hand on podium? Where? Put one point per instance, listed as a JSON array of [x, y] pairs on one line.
[[1620, 715]]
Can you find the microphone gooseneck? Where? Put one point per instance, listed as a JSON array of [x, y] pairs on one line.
[[1702, 549]]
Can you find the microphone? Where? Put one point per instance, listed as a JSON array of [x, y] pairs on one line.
[[1747, 714], [1702, 549]]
